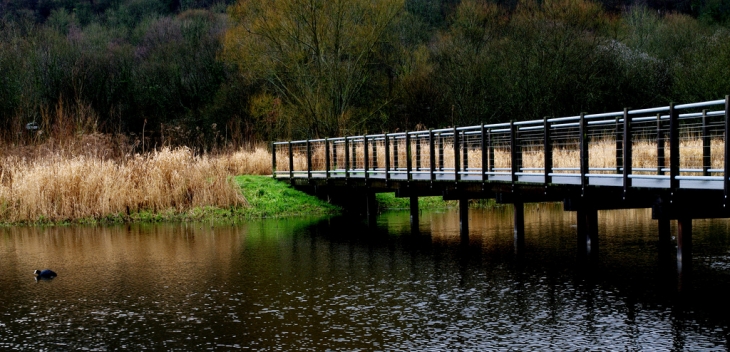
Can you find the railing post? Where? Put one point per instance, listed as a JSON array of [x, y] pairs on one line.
[[548, 152], [431, 155], [706, 152], [673, 148], [409, 159], [387, 159], [418, 153], [326, 159], [334, 155], [490, 151], [726, 173], [273, 159], [353, 156], [584, 162], [619, 146], [366, 156], [628, 156], [659, 145], [513, 151], [441, 152], [485, 166], [309, 159], [457, 163], [291, 162], [375, 154], [465, 152], [395, 153], [347, 159]]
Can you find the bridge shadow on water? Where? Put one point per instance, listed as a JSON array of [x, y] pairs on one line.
[[633, 268]]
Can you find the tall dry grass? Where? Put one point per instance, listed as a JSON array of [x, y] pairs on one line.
[[59, 188]]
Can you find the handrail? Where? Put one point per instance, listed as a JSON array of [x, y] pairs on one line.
[[446, 154]]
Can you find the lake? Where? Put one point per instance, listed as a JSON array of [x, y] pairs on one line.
[[340, 284]]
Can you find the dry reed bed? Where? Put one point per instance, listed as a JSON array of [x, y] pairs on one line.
[[69, 188], [602, 154]]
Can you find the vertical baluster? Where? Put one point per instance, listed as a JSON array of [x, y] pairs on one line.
[[457, 163], [387, 159], [395, 153], [628, 152], [673, 148], [291, 161], [418, 152], [513, 150], [619, 146], [465, 151], [309, 159], [327, 159], [273, 159], [347, 159], [726, 166], [441, 152], [366, 156], [353, 156], [409, 159], [548, 152], [584, 161], [490, 150], [431, 155], [336, 164], [375, 154], [660, 145], [485, 165], [706, 152]]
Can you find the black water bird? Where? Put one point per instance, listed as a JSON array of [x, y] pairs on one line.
[[46, 274]]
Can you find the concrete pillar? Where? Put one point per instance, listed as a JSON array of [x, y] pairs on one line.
[[464, 217], [519, 227]]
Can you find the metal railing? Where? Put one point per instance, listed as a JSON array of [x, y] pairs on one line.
[[675, 146]]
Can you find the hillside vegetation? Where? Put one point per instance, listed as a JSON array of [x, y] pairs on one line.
[[209, 74]]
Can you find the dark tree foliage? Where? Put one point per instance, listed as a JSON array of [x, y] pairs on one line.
[[159, 66]]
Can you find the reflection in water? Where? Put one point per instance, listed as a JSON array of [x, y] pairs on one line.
[[338, 284]]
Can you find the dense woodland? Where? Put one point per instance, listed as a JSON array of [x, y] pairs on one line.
[[209, 73]]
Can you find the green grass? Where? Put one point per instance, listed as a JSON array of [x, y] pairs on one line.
[[389, 201], [270, 198]]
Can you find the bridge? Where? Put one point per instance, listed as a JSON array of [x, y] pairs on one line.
[[672, 159]]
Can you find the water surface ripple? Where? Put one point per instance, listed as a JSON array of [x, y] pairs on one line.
[[337, 284]]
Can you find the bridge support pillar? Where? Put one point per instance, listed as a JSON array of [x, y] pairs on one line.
[[519, 227], [464, 217], [684, 244], [665, 235], [414, 213], [588, 231], [372, 207]]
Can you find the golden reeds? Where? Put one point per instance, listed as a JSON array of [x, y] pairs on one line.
[[69, 188]]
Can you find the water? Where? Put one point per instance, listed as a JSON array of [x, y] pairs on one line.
[[338, 284]]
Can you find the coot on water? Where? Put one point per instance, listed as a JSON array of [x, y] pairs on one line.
[[45, 274]]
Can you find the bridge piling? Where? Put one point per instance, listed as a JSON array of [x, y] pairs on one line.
[[587, 221], [684, 244], [414, 212], [464, 217], [519, 227]]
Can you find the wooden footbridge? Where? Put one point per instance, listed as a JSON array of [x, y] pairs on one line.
[[673, 159]]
